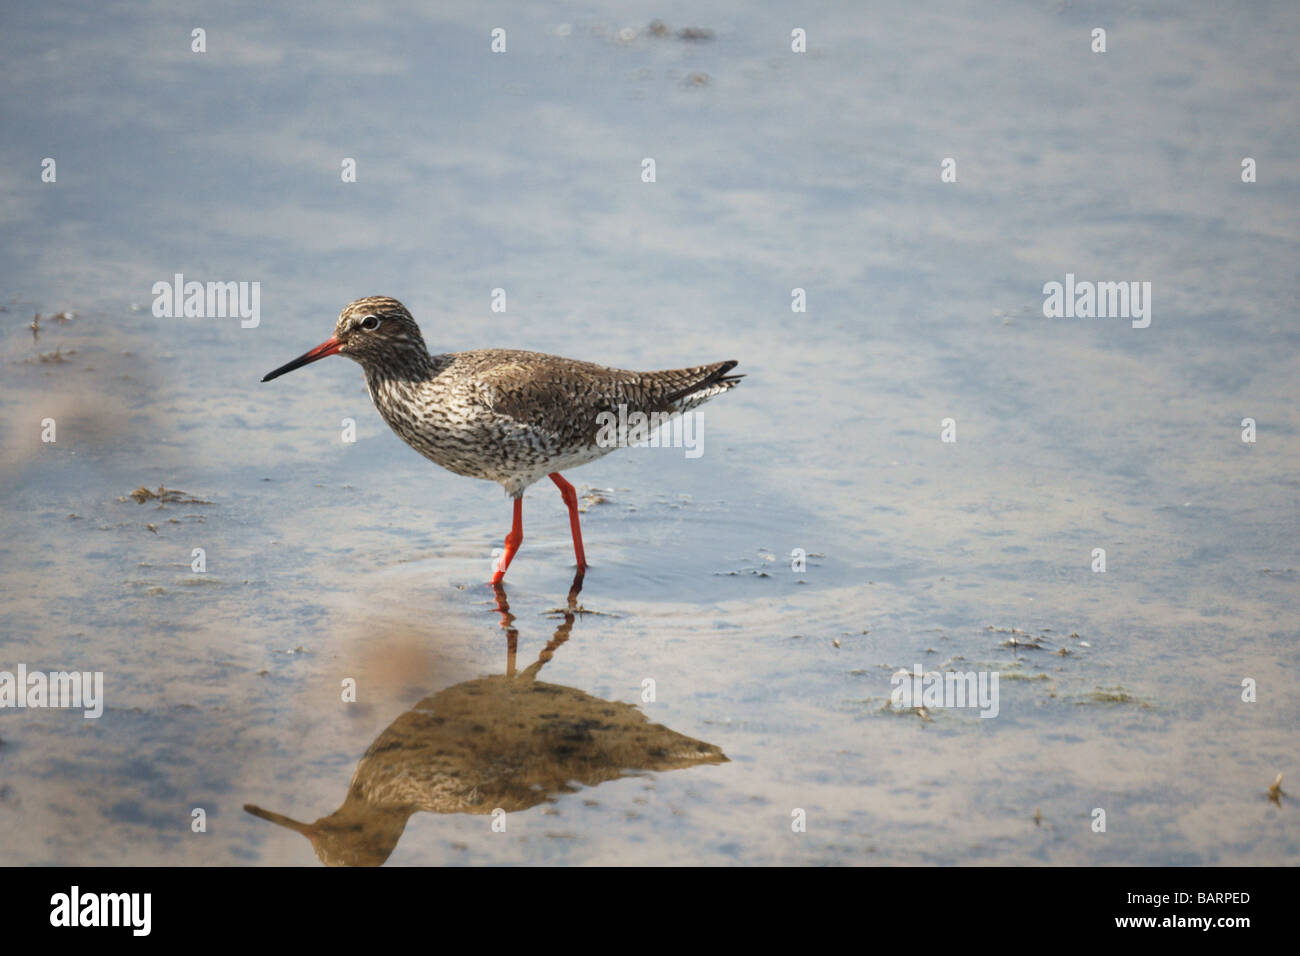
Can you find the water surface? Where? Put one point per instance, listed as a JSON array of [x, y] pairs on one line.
[[330, 561]]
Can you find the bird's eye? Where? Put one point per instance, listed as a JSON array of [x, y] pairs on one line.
[[370, 323]]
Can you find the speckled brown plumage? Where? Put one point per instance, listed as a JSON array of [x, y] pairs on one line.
[[503, 415]]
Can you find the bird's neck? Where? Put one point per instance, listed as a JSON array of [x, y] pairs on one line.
[[408, 365]]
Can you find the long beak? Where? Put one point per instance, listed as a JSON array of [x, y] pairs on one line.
[[306, 829], [329, 347]]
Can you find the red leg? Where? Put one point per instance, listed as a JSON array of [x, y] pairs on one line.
[[513, 540], [571, 499]]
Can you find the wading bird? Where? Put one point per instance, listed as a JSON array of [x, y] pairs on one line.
[[503, 415]]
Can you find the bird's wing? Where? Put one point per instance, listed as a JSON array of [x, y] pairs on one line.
[[563, 397], [558, 398]]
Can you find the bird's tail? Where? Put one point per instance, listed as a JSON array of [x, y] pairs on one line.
[[693, 386]]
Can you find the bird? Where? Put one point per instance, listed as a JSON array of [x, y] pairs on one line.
[[505, 415], [502, 743]]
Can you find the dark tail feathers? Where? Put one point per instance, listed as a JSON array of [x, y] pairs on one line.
[[718, 376]]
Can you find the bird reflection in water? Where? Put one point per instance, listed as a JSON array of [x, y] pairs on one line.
[[509, 741]]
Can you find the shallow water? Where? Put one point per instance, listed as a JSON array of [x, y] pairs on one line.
[[329, 561]]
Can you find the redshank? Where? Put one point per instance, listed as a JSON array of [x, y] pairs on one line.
[[510, 741], [503, 415]]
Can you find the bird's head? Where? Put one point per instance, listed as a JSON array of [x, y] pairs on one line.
[[353, 835], [374, 331]]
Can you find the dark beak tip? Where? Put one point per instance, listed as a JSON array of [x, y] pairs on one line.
[[329, 347]]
